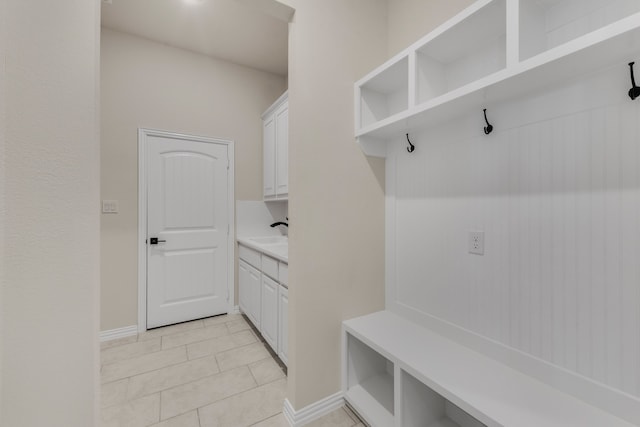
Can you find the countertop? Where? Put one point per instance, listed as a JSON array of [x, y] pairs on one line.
[[278, 246]]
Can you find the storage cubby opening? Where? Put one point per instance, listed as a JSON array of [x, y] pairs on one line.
[[423, 407], [469, 51], [545, 24], [385, 94], [369, 377]]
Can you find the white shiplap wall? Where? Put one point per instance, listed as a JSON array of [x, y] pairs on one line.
[[556, 189]]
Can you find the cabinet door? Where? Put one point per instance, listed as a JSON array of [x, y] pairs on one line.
[[243, 287], [269, 156], [249, 290], [283, 324], [269, 312], [282, 150]]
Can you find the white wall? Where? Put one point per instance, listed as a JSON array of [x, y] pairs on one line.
[[147, 84], [253, 218], [411, 19], [336, 193], [556, 189], [3, 98], [49, 307]]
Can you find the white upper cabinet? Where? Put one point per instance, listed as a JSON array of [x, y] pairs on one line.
[[276, 150], [269, 150], [492, 51]]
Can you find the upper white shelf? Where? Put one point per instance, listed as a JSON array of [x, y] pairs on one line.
[[493, 51]]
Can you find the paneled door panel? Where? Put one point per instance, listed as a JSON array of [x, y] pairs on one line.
[[282, 150], [269, 148], [269, 312], [283, 324], [187, 212], [249, 284]]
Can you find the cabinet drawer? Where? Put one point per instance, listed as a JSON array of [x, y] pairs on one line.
[[283, 274], [270, 267], [249, 255]]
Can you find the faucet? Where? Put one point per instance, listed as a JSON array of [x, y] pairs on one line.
[[275, 224]]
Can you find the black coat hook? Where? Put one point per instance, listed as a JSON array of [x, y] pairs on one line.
[[411, 147], [488, 128], [634, 92]]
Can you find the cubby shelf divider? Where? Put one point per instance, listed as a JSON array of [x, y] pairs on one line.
[[493, 51]]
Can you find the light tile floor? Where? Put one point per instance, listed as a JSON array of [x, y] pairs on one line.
[[211, 372]]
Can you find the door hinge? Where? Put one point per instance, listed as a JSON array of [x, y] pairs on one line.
[[228, 229], [227, 294]]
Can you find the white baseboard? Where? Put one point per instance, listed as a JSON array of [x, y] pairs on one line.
[[234, 310], [312, 412], [113, 334]]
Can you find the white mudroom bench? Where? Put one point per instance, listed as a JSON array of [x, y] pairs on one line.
[[397, 373]]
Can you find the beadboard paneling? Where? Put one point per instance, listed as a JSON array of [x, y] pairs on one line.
[[556, 189]]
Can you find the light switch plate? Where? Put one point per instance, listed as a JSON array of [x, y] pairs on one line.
[[476, 242], [109, 206]]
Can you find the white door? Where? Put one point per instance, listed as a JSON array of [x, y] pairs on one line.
[[188, 214]]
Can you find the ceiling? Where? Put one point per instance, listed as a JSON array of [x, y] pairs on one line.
[[231, 30]]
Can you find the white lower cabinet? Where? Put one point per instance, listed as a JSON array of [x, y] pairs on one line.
[[269, 312], [283, 324], [263, 297], [249, 284]]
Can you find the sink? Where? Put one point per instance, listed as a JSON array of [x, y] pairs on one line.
[[270, 240]]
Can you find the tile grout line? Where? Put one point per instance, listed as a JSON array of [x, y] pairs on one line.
[[202, 321], [153, 370], [202, 378], [214, 355], [175, 386], [219, 352], [246, 391], [132, 357], [175, 347], [193, 342], [185, 348]]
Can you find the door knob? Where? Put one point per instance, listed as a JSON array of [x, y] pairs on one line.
[[155, 241]]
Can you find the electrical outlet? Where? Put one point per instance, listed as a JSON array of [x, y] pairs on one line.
[[476, 242], [109, 206]]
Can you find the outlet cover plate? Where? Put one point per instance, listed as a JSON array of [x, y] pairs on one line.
[[476, 242], [110, 206]]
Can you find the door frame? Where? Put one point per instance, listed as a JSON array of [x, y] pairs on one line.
[[143, 135]]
